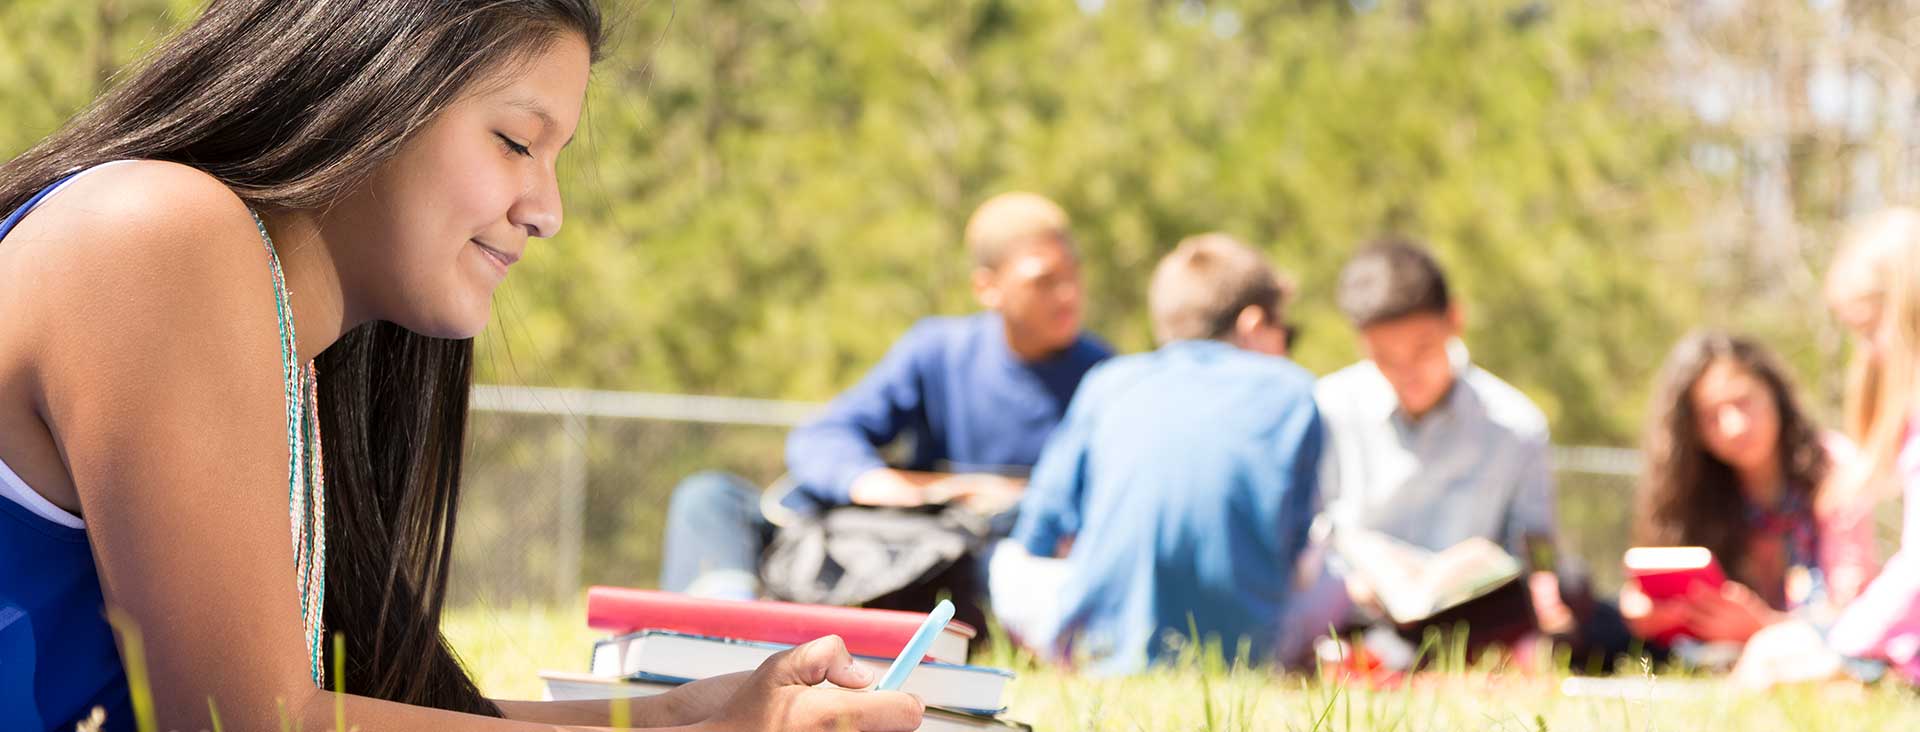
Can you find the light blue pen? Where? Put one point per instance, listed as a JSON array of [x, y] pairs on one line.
[[916, 647]]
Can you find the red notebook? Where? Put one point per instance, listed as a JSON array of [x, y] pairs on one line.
[[1666, 572], [878, 633]]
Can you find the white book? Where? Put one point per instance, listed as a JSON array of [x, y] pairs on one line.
[[664, 654], [1414, 584], [563, 686]]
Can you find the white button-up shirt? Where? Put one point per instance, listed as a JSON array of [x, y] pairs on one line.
[[1475, 465]]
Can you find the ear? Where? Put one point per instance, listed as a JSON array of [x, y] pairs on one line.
[[1457, 319], [1249, 323], [1254, 330], [985, 289]]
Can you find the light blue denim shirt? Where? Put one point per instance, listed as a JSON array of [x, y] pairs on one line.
[[1185, 477], [1476, 465]]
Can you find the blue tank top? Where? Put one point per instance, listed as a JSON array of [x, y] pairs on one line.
[[57, 656]]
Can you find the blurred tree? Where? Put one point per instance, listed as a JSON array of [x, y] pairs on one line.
[[1808, 109], [783, 184], [766, 194]]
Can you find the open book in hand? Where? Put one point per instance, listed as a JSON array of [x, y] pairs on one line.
[[1414, 584]]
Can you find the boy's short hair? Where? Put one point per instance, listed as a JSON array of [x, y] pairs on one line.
[[1199, 289], [1010, 220], [1390, 279]]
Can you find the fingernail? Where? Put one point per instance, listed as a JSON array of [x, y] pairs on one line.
[[860, 672]]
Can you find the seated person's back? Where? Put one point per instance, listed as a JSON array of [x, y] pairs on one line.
[[1182, 479]]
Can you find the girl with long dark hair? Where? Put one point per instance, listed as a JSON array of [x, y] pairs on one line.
[[1735, 465], [233, 491]]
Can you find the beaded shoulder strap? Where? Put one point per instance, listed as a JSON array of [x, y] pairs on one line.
[[306, 479]]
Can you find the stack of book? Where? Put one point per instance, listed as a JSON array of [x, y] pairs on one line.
[[665, 639]]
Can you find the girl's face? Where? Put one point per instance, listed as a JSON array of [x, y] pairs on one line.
[[427, 239], [1736, 415], [1856, 304]]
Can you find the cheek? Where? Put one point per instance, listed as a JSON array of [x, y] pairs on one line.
[[475, 198], [461, 182], [1436, 375], [1026, 300], [1717, 444], [1767, 428]]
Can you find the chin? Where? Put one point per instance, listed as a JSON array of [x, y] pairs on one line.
[[451, 326], [1064, 341]]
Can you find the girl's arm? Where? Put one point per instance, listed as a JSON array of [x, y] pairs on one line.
[[159, 374], [157, 370], [1846, 552], [1891, 602], [687, 704]]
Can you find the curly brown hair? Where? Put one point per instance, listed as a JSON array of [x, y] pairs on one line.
[[1685, 492]]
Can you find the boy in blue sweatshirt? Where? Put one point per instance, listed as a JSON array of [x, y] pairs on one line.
[[1180, 485], [974, 394]]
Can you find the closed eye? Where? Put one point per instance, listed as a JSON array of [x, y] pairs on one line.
[[514, 147]]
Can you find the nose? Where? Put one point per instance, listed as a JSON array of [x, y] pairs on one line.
[[1732, 422], [538, 210], [1069, 291]]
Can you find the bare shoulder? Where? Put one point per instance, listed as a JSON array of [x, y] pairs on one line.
[[137, 245], [142, 268], [137, 211]]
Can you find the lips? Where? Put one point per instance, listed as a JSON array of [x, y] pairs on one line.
[[503, 258]]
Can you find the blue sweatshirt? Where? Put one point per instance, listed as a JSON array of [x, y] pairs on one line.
[[955, 388], [1186, 478]]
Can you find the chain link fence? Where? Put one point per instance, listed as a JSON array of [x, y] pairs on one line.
[[567, 488]]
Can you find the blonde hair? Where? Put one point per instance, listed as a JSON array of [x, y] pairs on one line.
[[1011, 220], [1200, 288], [1880, 258]]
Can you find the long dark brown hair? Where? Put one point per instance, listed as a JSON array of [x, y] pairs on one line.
[[292, 104], [1689, 497]]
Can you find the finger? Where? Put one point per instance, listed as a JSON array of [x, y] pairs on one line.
[[892, 711], [1671, 615], [1700, 620], [1713, 600], [1633, 608], [1736, 592], [851, 674], [1700, 593], [865, 711], [1714, 613], [823, 659]]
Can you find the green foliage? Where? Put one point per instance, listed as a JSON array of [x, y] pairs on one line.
[[766, 194]]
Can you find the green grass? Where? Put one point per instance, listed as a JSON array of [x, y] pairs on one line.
[[506, 646]]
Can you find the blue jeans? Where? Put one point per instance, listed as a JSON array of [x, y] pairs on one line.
[[715, 535]]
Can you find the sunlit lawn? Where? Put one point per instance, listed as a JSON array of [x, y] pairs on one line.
[[505, 647]]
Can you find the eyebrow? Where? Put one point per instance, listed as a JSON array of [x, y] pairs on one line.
[[538, 110]]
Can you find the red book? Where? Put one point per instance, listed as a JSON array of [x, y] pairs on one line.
[[877, 633], [1666, 572]]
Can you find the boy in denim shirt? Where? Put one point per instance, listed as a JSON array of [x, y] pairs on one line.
[[1180, 485]]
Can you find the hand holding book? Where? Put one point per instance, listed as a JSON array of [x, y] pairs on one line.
[[1731, 612], [1674, 591]]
